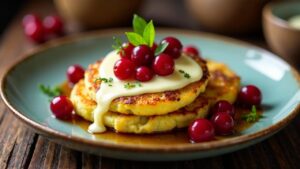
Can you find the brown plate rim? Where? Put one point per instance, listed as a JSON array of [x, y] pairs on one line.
[[136, 148]]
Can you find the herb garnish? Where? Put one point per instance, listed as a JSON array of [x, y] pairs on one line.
[[252, 116], [143, 34], [186, 75], [50, 92], [118, 45], [132, 85], [138, 24], [160, 48], [108, 81]]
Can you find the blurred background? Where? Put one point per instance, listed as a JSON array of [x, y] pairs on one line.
[[240, 19]]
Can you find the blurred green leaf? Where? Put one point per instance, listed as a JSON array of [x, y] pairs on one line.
[[138, 24], [135, 39], [149, 33]]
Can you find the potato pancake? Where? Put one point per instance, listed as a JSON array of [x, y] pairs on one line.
[[150, 104], [223, 84]]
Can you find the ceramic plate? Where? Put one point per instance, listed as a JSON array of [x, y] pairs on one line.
[[278, 81]]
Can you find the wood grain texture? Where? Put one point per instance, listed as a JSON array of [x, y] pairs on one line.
[[20, 147]]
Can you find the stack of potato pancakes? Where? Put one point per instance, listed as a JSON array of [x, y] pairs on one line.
[[163, 111]]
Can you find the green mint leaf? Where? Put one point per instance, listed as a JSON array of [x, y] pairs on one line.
[[149, 33], [138, 24], [161, 48], [135, 38], [50, 92]]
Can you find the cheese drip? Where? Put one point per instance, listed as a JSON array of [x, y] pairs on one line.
[[107, 93]]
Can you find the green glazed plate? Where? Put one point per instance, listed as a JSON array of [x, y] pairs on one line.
[[278, 81]]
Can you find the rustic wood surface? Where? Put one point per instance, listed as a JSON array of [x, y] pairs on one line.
[[20, 147]]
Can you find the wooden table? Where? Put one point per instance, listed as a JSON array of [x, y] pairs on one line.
[[20, 147]]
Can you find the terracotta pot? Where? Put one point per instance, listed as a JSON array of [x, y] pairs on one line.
[[97, 13], [228, 16], [282, 38]]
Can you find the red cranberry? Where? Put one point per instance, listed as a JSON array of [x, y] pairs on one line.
[[30, 18], [191, 50], [35, 31], [153, 48], [142, 55], [126, 50], [61, 107], [223, 106], [124, 69], [201, 130], [143, 74], [53, 25], [163, 65], [250, 95], [174, 47], [223, 123], [75, 73]]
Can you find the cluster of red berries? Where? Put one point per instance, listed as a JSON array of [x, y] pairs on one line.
[[39, 30], [140, 62], [222, 116], [61, 106]]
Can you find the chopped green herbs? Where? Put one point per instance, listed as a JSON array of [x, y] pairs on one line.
[[129, 85], [186, 75], [50, 92], [108, 81], [132, 85], [252, 116]]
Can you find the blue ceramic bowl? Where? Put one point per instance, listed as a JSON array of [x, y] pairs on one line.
[[278, 81]]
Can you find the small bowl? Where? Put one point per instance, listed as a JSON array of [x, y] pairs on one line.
[[91, 14], [228, 16], [281, 37]]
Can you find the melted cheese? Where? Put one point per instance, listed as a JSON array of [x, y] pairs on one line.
[[106, 94]]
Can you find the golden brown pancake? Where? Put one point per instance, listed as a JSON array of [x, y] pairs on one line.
[[223, 84], [150, 104], [84, 107]]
